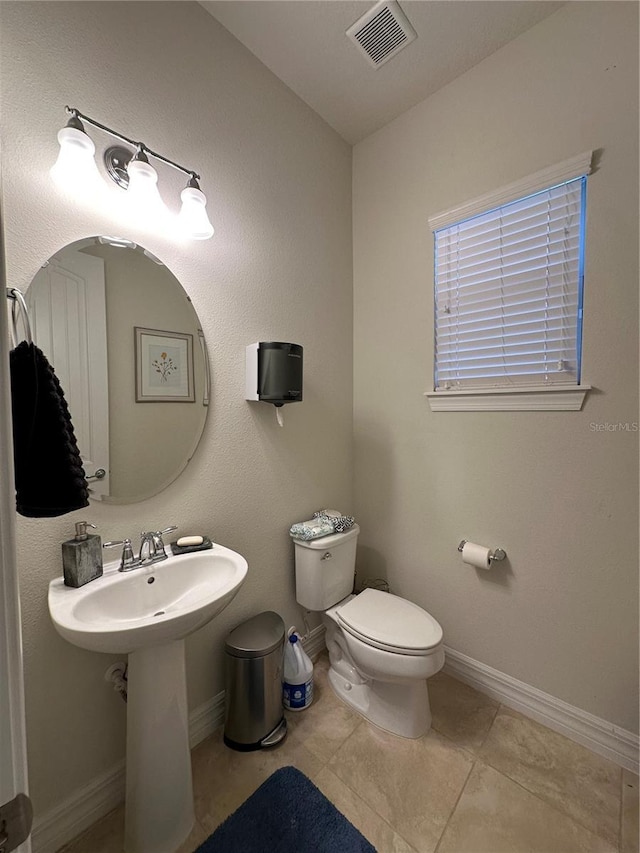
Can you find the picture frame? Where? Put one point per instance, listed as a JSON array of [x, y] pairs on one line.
[[164, 366], [207, 376]]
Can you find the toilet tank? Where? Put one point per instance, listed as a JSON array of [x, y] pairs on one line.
[[325, 569]]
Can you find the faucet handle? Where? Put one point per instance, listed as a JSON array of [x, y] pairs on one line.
[[127, 561], [159, 532], [160, 553]]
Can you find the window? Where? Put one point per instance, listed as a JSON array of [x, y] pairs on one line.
[[508, 291]]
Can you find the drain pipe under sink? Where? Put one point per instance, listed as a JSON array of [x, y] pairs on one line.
[[117, 675]]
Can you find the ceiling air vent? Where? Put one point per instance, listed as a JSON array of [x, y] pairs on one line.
[[382, 32]]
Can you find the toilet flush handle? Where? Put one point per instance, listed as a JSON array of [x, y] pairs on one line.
[[327, 555]]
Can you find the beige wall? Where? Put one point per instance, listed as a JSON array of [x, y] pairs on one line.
[[561, 498], [279, 268]]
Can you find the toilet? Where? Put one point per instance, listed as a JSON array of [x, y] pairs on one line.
[[382, 648]]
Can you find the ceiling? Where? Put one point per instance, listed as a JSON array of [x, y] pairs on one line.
[[305, 45]]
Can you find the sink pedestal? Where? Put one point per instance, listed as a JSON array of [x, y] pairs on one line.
[[159, 805]]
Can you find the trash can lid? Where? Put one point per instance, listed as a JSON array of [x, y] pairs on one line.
[[257, 636]]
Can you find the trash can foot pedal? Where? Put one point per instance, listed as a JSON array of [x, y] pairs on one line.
[[277, 735], [272, 739]]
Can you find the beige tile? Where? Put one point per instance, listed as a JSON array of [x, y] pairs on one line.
[[495, 815], [629, 824], [412, 784], [326, 723], [195, 838], [321, 661], [354, 808], [107, 836], [223, 778], [460, 712], [570, 777]]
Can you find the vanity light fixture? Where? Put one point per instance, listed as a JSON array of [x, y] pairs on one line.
[[132, 171]]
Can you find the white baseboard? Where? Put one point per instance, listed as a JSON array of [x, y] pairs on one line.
[[76, 813], [315, 643], [84, 807], [596, 734], [205, 719]]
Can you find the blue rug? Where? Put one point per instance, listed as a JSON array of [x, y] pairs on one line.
[[287, 814]]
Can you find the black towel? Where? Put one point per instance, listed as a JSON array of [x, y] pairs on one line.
[[50, 479]]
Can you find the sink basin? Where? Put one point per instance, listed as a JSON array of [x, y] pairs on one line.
[[127, 611]]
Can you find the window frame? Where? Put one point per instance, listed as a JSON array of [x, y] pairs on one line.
[[561, 397]]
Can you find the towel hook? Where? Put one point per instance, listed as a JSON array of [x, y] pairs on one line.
[[19, 303]]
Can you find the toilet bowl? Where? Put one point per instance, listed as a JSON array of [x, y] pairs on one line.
[[384, 682], [382, 648]]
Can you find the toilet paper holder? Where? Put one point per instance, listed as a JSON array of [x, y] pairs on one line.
[[497, 554]]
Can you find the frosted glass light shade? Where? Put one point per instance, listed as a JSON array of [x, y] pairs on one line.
[[142, 191], [75, 169], [193, 218]]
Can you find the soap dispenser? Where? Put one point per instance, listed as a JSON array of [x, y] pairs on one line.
[[82, 556]]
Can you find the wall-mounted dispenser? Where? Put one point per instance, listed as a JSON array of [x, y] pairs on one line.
[[274, 373]]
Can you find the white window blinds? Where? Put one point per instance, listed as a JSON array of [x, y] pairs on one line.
[[508, 293]]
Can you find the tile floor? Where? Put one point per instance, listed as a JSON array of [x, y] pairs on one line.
[[485, 779]]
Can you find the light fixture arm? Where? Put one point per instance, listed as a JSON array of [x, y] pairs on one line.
[[139, 146]]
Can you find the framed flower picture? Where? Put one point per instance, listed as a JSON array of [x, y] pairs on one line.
[[164, 366]]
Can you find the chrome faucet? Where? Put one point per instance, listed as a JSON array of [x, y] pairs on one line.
[[152, 547], [147, 549], [151, 550]]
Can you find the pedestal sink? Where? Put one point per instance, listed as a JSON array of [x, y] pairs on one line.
[[147, 613]]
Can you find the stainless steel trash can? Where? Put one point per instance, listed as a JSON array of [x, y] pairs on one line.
[[253, 712]]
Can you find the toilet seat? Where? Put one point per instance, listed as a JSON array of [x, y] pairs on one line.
[[390, 623]]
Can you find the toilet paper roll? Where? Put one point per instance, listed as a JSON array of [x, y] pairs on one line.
[[476, 555]]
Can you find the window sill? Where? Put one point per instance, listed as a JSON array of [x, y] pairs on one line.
[[535, 398]]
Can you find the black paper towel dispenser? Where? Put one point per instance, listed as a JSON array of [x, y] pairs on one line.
[[274, 372]]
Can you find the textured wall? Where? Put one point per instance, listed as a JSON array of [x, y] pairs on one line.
[[279, 268], [560, 497]]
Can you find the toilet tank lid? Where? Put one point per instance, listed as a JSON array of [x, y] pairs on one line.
[[391, 620], [326, 542]]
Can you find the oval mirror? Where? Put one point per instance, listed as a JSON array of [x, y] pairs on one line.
[[128, 349]]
